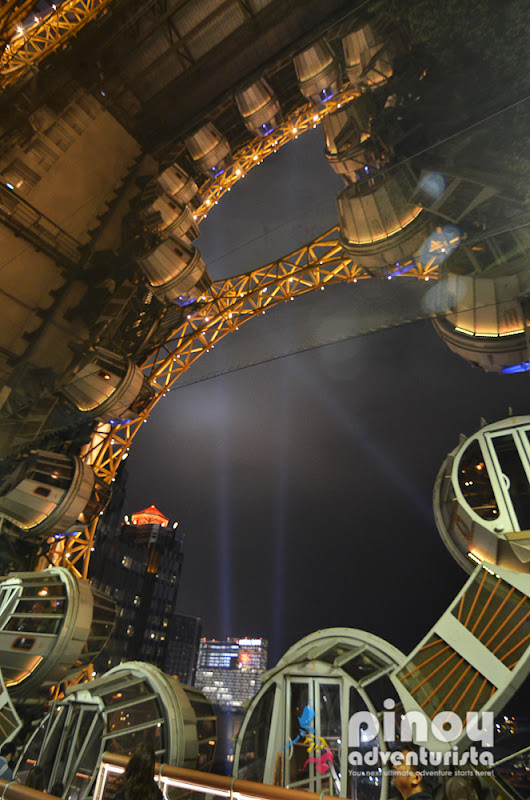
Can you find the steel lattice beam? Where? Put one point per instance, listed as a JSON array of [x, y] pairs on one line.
[[252, 154], [226, 306], [30, 46]]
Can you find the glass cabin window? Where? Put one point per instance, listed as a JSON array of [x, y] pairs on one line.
[[84, 773], [126, 743], [48, 731], [331, 731], [254, 745], [297, 770], [362, 782], [475, 483], [54, 479], [39, 613], [132, 716], [124, 693], [118, 367], [518, 486]]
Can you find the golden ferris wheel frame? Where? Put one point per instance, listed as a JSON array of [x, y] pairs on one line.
[[221, 310], [227, 305]]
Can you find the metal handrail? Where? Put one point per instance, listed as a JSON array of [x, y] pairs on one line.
[[27, 220], [203, 782], [13, 790]]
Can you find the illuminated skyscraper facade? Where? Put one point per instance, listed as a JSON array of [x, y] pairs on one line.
[[140, 567], [229, 670]]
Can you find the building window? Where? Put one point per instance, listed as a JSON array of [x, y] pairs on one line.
[[90, 106], [21, 177], [42, 155], [61, 136]]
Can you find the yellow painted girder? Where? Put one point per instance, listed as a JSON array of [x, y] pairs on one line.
[[251, 155], [222, 309], [11, 13], [27, 47]]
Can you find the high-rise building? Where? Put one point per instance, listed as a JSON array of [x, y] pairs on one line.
[[228, 671], [182, 649], [140, 567]]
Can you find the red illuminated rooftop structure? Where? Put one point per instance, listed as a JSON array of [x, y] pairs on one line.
[[149, 516]]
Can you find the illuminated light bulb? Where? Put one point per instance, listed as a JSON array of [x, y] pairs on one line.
[[315, 118], [255, 158], [427, 278], [295, 130], [238, 172], [355, 280], [195, 215], [208, 202], [207, 319], [339, 105], [322, 288]]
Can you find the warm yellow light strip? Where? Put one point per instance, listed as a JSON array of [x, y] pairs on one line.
[[251, 155], [32, 44], [486, 335], [403, 223]]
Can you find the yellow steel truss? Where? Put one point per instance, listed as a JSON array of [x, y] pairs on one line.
[[222, 309], [28, 46], [252, 154], [11, 13]]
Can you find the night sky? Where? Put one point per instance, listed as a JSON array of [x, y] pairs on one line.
[[304, 483]]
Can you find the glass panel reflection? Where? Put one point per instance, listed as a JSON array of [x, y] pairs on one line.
[[297, 770], [255, 740], [475, 483], [516, 477]]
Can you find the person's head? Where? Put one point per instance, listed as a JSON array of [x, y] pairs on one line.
[[35, 779], [57, 789], [137, 780], [407, 777], [142, 762]]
